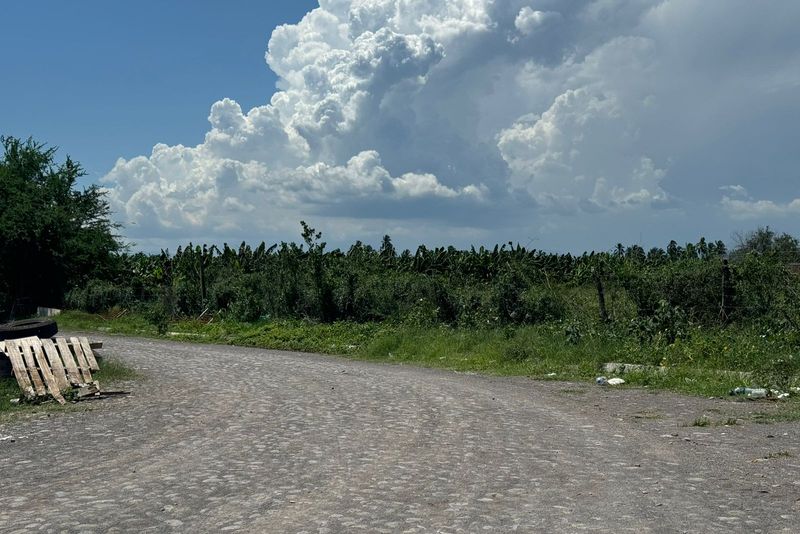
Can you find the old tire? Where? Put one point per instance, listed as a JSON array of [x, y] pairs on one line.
[[5, 366], [28, 328]]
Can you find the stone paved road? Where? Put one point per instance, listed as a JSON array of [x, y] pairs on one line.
[[224, 439]]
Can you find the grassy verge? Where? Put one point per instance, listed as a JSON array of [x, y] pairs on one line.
[[9, 391], [709, 362]]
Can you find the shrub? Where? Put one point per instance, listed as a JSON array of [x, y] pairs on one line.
[[693, 286], [668, 323], [97, 296], [160, 312], [759, 282], [539, 305]]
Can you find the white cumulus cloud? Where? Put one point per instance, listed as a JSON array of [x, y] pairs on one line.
[[757, 209], [529, 20], [492, 115]]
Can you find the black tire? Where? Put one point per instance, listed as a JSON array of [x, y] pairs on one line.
[[5, 366], [28, 328]]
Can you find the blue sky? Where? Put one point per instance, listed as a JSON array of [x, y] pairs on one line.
[[104, 79], [558, 124]]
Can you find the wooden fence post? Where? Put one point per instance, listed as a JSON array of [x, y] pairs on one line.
[[727, 293]]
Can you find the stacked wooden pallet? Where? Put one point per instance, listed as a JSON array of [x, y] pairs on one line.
[[50, 366]]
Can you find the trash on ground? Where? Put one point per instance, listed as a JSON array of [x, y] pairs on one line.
[[617, 368], [749, 393], [760, 393], [12, 439], [603, 381], [47, 366]]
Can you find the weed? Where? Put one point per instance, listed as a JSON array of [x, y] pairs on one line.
[[787, 412], [648, 415], [517, 351], [702, 421], [779, 454], [114, 370], [573, 332], [8, 391], [778, 373]]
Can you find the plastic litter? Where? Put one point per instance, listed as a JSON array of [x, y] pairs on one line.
[[603, 381], [749, 393]]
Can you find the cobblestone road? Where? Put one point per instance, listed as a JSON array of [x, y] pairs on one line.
[[225, 439]]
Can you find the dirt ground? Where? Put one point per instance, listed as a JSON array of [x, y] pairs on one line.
[[226, 439]]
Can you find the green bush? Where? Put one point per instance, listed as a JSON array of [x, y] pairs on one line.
[[98, 296], [760, 282], [540, 305], [160, 312], [694, 286], [667, 324]]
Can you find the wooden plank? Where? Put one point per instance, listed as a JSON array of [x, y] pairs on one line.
[[87, 351], [88, 390], [92, 344], [55, 364], [83, 365], [30, 363], [18, 366], [44, 368], [73, 373]]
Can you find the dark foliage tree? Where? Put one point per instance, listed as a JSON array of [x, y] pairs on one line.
[[52, 236]]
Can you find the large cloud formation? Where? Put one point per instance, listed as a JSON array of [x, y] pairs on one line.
[[485, 120]]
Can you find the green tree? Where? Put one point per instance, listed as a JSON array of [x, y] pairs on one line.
[[765, 242], [52, 236]]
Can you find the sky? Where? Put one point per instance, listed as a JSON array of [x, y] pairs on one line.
[[558, 124]]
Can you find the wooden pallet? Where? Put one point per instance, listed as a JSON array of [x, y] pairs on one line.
[[50, 366]]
